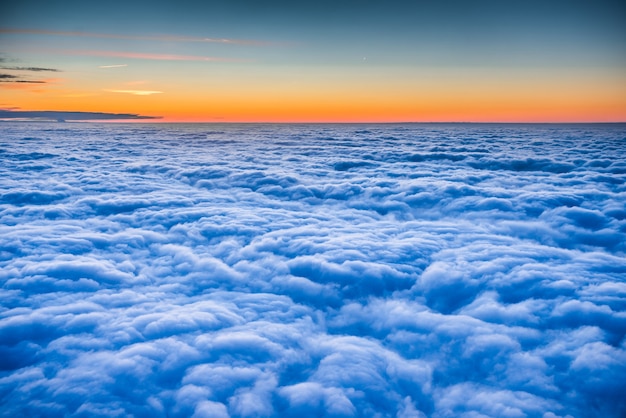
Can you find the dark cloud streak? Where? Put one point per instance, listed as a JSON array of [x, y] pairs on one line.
[[13, 78], [35, 69], [10, 78], [71, 116]]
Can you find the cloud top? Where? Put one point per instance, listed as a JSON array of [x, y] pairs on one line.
[[328, 270]]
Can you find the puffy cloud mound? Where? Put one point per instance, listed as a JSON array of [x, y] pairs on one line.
[[320, 270]]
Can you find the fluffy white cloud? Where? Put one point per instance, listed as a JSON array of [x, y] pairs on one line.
[[243, 270]]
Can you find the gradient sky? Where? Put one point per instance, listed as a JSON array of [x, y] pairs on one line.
[[323, 61]]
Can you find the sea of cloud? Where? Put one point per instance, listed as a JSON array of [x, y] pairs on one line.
[[312, 270]]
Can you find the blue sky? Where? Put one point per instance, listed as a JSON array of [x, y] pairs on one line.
[[509, 57], [402, 30]]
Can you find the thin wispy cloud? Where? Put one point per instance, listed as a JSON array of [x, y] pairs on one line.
[[4, 60], [10, 78], [17, 74], [36, 69], [149, 56], [135, 92], [113, 66], [160, 38], [32, 86]]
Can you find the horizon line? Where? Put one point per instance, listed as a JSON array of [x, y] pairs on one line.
[[155, 121]]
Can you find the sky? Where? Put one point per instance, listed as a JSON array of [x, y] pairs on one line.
[[323, 61]]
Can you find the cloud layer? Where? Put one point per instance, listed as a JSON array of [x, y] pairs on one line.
[[298, 270]]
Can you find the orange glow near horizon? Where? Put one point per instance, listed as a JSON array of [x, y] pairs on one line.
[[243, 95], [422, 109]]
